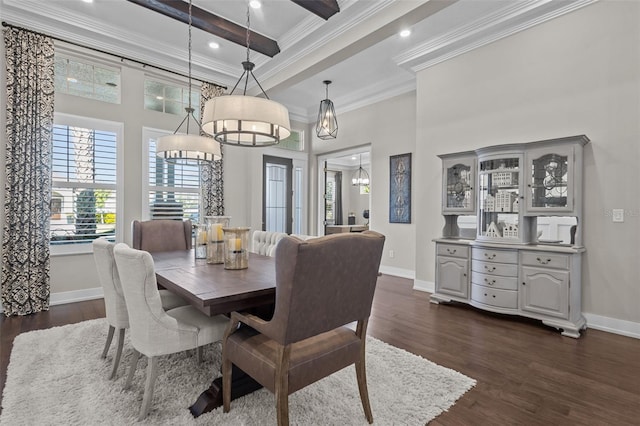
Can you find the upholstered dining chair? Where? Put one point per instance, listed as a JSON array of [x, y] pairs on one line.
[[265, 242], [114, 303], [161, 235], [322, 285], [155, 332]]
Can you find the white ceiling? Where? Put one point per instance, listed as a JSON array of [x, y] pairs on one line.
[[359, 48]]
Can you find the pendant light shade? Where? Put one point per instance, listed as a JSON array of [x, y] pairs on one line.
[[327, 124], [244, 120], [183, 147], [360, 177]]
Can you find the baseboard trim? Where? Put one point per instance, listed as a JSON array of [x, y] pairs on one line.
[[398, 272], [428, 286], [64, 297], [613, 325]]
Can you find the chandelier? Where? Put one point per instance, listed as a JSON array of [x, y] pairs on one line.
[[360, 177], [185, 147], [327, 124], [243, 120]]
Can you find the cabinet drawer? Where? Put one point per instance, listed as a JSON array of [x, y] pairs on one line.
[[491, 255], [492, 268], [494, 297], [453, 250], [494, 281], [543, 259]]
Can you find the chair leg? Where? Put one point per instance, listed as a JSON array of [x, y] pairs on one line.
[[282, 385], [361, 374], [108, 343], [116, 359], [227, 369], [132, 368], [152, 373], [199, 352]]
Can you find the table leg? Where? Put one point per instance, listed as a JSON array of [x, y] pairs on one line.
[[241, 385]]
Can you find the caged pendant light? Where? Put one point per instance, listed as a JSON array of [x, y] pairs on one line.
[[244, 120], [360, 177], [185, 147], [327, 124]]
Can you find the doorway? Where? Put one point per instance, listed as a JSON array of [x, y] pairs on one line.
[[277, 194], [343, 206]]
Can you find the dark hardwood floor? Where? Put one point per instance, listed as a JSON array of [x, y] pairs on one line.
[[527, 373]]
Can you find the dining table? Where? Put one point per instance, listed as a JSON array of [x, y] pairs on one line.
[[214, 290]]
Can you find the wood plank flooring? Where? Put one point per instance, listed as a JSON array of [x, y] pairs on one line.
[[527, 373]]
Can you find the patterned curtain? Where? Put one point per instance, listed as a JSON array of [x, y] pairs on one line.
[[25, 241], [211, 180]]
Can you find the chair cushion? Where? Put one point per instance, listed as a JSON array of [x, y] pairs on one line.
[[310, 360], [210, 329]]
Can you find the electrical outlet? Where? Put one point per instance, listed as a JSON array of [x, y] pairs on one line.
[[392, 254], [617, 215]]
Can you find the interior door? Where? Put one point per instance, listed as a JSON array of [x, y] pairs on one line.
[[277, 194]]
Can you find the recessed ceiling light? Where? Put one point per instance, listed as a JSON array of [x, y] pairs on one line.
[[255, 4], [88, 1], [214, 45], [354, 158], [405, 33]]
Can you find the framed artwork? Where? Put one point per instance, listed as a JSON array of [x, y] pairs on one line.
[[400, 188]]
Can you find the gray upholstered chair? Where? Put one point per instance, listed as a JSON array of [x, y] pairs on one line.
[[265, 242], [155, 332], [161, 235], [114, 303], [322, 285]]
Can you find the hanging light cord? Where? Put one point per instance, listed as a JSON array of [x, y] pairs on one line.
[[248, 65]]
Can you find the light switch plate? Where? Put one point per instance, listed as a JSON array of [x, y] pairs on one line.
[[617, 215]]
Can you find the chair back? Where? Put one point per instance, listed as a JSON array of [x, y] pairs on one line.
[[324, 283], [114, 302], [265, 242], [161, 235], [147, 318]]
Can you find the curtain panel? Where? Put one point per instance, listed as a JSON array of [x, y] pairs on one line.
[[25, 243], [211, 179], [338, 214]]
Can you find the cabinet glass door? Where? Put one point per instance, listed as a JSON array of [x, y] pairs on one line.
[[549, 185], [499, 199], [458, 185]]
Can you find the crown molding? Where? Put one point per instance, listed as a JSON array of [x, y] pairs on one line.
[[509, 20]]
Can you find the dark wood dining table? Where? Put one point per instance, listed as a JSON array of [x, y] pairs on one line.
[[215, 290]]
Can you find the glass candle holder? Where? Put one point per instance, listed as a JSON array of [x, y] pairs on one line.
[[236, 248], [201, 241], [215, 240]]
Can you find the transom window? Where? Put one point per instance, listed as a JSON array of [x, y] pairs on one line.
[[86, 79], [295, 141], [170, 98]]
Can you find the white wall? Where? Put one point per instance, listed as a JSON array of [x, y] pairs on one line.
[[389, 126], [577, 74]]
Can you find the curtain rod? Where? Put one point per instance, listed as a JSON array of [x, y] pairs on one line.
[[144, 64]]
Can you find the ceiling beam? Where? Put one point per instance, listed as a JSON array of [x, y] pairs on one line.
[[323, 8], [212, 24]]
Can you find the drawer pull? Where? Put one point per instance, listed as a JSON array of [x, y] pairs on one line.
[[524, 283], [494, 296], [451, 251], [490, 256], [464, 275], [485, 295], [492, 282], [490, 269], [543, 261]]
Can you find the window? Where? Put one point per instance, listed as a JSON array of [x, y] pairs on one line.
[[81, 78], [173, 189], [295, 141], [170, 98], [84, 202]]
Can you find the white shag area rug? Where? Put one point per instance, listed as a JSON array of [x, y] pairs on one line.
[[56, 377]]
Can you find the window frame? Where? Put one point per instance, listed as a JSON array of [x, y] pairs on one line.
[[63, 119]]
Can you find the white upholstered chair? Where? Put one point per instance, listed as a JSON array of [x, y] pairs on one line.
[[155, 332], [265, 242], [115, 306]]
